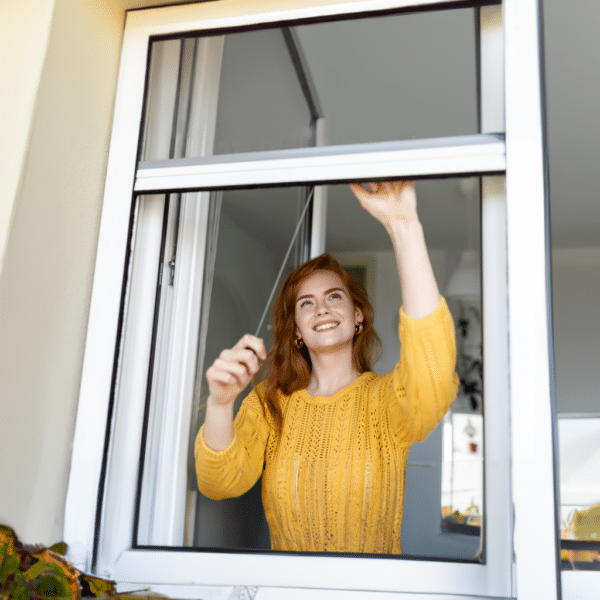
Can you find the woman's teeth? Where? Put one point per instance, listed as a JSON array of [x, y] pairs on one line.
[[326, 326]]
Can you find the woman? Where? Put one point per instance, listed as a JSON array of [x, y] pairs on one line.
[[331, 436]]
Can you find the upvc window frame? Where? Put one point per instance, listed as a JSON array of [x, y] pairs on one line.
[[500, 230]]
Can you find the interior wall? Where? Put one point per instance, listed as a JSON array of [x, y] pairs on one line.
[[572, 100], [388, 298], [576, 295]]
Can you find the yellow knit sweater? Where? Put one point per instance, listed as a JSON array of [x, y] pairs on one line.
[[335, 480]]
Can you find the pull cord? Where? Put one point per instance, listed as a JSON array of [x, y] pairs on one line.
[[287, 254]]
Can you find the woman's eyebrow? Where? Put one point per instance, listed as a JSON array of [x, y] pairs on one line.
[[305, 296], [334, 290], [324, 293]]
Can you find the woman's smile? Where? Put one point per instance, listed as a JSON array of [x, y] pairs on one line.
[[326, 326]]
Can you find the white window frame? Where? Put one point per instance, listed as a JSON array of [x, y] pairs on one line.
[[514, 221]]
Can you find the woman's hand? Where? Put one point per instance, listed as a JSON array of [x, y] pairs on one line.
[[234, 369], [388, 201]]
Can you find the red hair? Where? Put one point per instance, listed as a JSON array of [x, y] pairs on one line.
[[287, 367]]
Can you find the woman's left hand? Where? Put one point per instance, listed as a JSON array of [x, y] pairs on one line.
[[388, 201]]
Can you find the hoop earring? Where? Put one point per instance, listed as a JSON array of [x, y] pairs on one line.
[[299, 343], [358, 328]]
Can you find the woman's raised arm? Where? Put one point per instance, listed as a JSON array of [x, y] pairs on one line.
[[394, 204]]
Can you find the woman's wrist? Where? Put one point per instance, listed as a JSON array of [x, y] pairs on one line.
[[218, 424], [217, 404], [405, 232]]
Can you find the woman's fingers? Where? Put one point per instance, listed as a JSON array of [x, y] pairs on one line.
[[229, 375], [239, 361], [359, 190], [387, 201], [225, 383], [221, 377], [235, 367], [251, 342]]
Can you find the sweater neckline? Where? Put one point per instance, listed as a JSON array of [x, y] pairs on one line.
[[309, 399]]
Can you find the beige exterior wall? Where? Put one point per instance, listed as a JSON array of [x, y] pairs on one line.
[[21, 64], [64, 58]]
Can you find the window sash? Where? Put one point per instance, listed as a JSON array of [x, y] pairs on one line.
[[163, 491], [229, 14], [532, 399], [442, 577], [118, 560], [163, 496]]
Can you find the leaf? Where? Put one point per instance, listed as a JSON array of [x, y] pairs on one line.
[[103, 589], [59, 548]]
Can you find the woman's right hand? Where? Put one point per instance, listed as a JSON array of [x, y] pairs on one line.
[[234, 369]]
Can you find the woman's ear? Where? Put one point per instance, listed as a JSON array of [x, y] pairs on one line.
[[358, 315]]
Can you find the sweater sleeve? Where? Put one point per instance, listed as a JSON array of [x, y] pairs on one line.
[[424, 382], [233, 471]]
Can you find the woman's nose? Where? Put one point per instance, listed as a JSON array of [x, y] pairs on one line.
[[321, 307]]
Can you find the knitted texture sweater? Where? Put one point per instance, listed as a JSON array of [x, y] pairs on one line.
[[333, 479]]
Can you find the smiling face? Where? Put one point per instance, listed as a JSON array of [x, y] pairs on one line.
[[325, 316]]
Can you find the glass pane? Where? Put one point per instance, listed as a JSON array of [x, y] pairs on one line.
[[242, 87], [261, 105], [249, 235], [575, 289], [252, 237], [362, 75], [444, 472], [573, 126], [255, 231]]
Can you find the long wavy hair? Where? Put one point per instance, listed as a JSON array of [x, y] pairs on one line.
[[287, 367]]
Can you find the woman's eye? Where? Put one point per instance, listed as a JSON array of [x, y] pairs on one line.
[[304, 303], [335, 296]]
